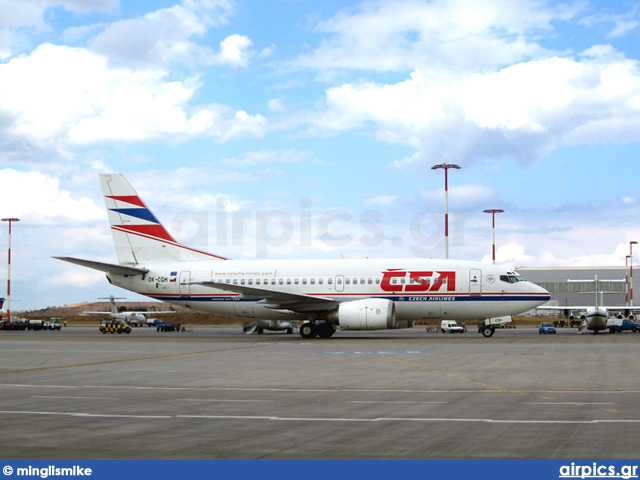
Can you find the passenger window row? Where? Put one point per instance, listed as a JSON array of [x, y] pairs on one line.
[[298, 281]]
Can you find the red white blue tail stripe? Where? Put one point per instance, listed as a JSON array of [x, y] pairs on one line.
[[138, 235]]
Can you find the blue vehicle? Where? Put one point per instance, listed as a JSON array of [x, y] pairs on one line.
[[546, 327]]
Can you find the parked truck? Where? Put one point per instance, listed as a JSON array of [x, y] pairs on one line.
[[617, 325]]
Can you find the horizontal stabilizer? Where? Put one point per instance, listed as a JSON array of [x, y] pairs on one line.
[[106, 267]]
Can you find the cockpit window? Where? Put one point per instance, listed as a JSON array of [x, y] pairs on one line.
[[511, 278]]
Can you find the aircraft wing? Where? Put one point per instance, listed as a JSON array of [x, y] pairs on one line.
[[583, 307], [578, 307], [276, 300], [124, 314], [621, 308], [151, 313]]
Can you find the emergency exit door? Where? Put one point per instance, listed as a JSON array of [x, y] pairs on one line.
[[475, 281], [185, 284]]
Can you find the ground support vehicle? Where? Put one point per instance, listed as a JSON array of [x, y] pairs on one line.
[[450, 326], [35, 324], [52, 324], [167, 327], [114, 326], [617, 325], [13, 325], [488, 327]]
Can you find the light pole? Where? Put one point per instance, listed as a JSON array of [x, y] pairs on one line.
[[626, 280], [631, 244], [493, 212], [446, 167], [10, 220]]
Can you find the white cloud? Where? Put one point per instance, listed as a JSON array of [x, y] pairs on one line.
[[439, 35], [20, 15], [521, 111], [276, 105], [60, 96], [572, 246], [163, 35], [512, 255], [234, 51], [461, 198], [621, 23], [480, 85], [384, 200], [252, 159], [38, 199], [75, 277]]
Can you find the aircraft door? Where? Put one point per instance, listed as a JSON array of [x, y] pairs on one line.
[[339, 283], [185, 284], [475, 281]]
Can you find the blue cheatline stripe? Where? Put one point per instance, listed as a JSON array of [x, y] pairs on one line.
[[403, 298], [141, 213]]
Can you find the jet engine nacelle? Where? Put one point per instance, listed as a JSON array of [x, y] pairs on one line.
[[619, 316], [632, 317], [369, 314]]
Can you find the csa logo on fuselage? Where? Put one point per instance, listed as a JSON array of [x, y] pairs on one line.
[[398, 280]]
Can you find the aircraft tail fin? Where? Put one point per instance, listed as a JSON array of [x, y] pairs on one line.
[[138, 235]]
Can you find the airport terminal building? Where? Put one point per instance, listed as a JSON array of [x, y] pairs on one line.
[[564, 293]]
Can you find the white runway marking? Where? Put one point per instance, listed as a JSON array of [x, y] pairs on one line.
[[322, 419], [570, 404], [82, 414], [392, 402], [223, 400], [402, 419], [64, 396]]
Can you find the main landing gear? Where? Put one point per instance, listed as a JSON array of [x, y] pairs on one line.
[[313, 329]]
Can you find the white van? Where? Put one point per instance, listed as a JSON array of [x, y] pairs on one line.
[[450, 326]]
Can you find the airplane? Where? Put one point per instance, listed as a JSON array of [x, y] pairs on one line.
[[133, 318], [323, 295], [594, 317]]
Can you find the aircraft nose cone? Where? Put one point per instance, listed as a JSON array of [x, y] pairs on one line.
[[544, 295]]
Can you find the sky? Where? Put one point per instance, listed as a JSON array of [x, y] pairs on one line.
[[300, 129]]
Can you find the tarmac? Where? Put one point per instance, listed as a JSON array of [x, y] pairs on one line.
[[216, 393]]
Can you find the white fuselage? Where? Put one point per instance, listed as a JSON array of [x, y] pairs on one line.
[[420, 289], [596, 318]]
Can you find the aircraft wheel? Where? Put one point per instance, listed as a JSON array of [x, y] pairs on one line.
[[487, 331], [308, 330], [325, 330]]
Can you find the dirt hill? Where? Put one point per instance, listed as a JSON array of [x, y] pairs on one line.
[[74, 314]]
